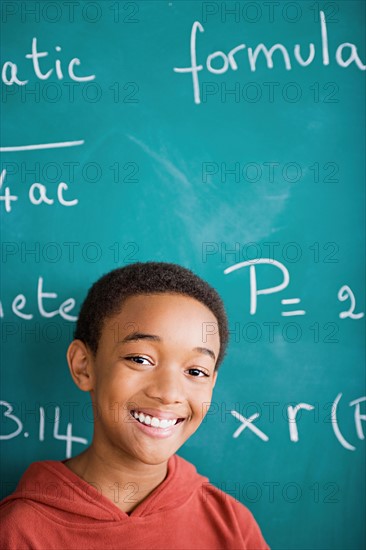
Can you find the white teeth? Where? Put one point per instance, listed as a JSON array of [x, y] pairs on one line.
[[154, 421]]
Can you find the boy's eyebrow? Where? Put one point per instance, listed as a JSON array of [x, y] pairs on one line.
[[143, 336], [139, 336], [206, 351]]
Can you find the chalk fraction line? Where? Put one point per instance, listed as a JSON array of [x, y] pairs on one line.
[[42, 146]]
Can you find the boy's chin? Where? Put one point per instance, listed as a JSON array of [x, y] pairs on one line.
[[155, 456]]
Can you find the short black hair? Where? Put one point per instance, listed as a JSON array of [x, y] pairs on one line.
[[106, 296]]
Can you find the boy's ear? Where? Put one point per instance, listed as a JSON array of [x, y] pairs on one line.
[[80, 361]]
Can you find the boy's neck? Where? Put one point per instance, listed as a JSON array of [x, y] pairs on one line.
[[125, 482]]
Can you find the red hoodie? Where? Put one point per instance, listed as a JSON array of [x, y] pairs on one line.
[[52, 508]]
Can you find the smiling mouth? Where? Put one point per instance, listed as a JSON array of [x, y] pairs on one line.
[[154, 422]]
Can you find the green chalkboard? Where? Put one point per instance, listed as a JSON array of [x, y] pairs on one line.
[[227, 137]]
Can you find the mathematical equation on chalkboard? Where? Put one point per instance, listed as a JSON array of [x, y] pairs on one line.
[[43, 418], [292, 414], [344, 293]]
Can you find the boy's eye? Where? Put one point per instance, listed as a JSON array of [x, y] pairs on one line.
[[197, 373], [139, 360]]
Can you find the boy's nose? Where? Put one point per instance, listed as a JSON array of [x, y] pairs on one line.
[[166, 385]]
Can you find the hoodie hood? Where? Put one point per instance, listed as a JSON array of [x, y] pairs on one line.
[[52, 484]]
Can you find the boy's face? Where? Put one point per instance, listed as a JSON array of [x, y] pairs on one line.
[[156, 357]]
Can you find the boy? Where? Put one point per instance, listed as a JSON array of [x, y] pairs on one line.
[[148, 344]]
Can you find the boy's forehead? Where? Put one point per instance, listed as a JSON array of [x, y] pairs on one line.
[[141, 312]]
